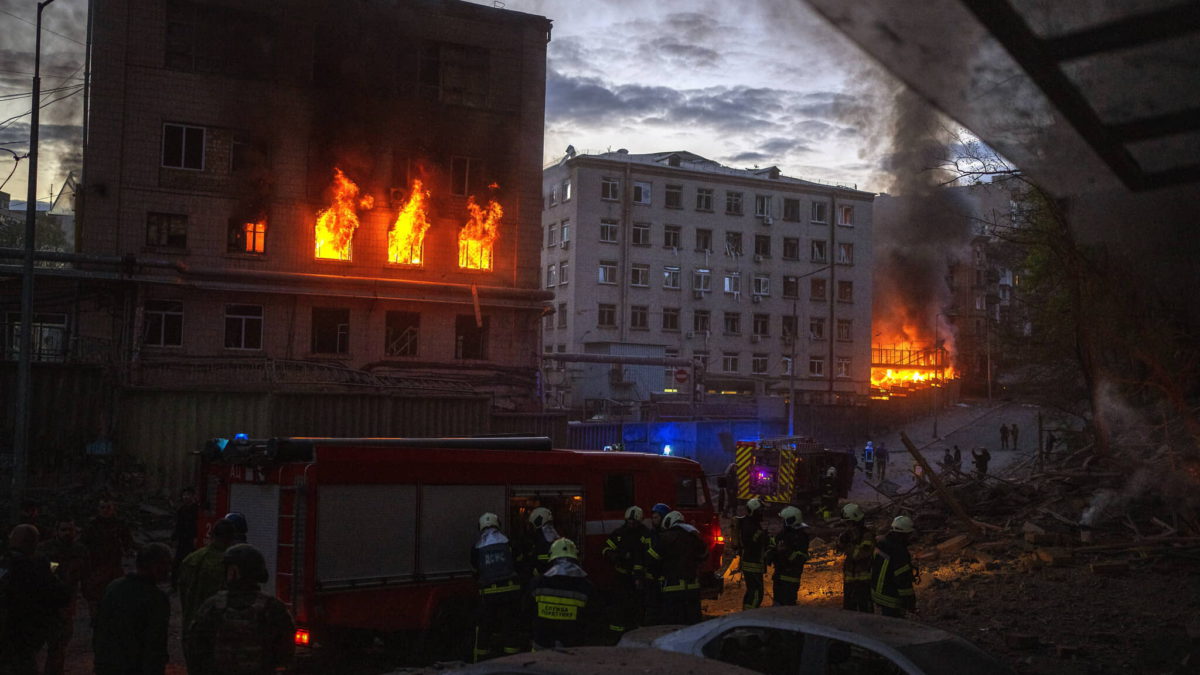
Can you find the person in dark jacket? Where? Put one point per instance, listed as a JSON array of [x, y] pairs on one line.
[[981, 457], [240, 630], [753, 550], [31, 599], [628, 549], [184, 534], [882, 456], [790, 554], [130, 634], [682, 551], [202, 573], [69, 558], [857, 545], [562, 598], [892, 572], [107, 539], [492, 559]]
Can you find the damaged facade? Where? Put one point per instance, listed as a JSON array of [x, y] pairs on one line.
[[220, 135]]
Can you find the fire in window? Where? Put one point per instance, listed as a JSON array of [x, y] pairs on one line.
[[248, 236], [477, 239], [336, 224], [406, 239]]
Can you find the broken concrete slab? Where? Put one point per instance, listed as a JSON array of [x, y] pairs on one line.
[[953, 544]]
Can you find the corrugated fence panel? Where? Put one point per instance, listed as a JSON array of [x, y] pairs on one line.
[[553, 425]]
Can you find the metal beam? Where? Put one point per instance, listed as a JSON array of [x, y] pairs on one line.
[[1147, 28]]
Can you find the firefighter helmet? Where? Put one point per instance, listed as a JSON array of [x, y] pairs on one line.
[[540, 516], [902, 524], [672, 519], [563, 548], [792, 517], [853, 512], [753, 504], [249, 561], [661, 509], [831, 472], [489, 520], [634, 513]]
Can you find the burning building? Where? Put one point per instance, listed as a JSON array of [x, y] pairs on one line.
[[315, 196]]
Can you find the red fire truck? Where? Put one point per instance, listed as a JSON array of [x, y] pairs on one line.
[[372, 535]]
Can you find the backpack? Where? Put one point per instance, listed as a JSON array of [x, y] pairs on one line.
[[239, 647], [496, 564]]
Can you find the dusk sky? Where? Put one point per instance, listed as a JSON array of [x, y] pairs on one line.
[[745, 83]]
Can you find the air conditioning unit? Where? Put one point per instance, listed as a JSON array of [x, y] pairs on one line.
[[767, 220], [755, 338], [698, 294], [758, 258], [566, 244], [756, 299]]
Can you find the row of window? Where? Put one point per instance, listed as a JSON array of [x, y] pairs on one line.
[[760, 364], [640, 234], [760, 284], [764, 205], [170, 231], [670, 320], [330, 330]]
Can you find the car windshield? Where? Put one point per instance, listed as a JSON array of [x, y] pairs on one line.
[[951, 657]]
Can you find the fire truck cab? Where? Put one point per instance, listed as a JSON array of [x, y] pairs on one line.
[[373, 535], [788, 470]]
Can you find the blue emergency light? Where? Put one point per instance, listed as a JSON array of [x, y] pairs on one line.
[[241, 437], [667, 449]]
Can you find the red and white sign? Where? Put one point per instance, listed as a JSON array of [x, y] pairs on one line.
[[681, 375]]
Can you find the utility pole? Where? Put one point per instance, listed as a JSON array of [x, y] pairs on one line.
[[21, 433], [792, 368]]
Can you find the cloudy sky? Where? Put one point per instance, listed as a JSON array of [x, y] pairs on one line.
[[753, 82]]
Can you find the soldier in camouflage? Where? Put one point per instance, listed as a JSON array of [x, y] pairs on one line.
[[107, 539], [202, 572], [240, 630]]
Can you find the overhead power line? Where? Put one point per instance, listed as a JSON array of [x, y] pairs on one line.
[[44, 29]]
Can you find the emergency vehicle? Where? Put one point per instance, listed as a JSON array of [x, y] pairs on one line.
[[372, 535], [789, 470]]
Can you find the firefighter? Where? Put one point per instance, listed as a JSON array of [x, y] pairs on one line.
[[499, 593], [202, 573], [857, 544], [652, 586], [628, 549], [682, 551], [542, 534], [829, 496], [240, 629], [790, 554], [562, 600], [753, 540], [892, 571]]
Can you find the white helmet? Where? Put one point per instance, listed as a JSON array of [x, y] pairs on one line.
[[792, 517], [754, 504], [853, 512], [540, 516], [489, 520], [633, 513], [672, 519], [831, 472], [902, 524]]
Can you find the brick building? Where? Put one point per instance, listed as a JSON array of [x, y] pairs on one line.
[[739, 270]]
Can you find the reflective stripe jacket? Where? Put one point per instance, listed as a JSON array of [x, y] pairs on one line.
[[562, 605], [682, 552], [791, 552], [857, 543], [628, 548], [754, 542], [493, 562], [892, 574]]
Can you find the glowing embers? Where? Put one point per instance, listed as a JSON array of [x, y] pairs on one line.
[[336, 224], [477, 239], [406, 239]]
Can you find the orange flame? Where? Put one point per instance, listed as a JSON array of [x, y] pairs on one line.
[[336, 224], [406, 239], [477, 238]]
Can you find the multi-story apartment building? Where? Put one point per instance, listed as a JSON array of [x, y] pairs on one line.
[[762, 280], [326, 182]]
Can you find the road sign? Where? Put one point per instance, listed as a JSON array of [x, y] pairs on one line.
[[681, 375]]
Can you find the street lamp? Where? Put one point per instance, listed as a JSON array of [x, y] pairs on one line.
[[792, 368], [24, 369]]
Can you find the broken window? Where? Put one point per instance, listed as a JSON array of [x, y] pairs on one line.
[[166, 230], [402, 330], [466, 176], [455, 74], [470, 337], [330, 330]]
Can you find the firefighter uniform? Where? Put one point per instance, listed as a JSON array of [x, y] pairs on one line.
[[496, 629], [562, 600], [629, 549], [790, 554], [754, 540], [892, 576], [682, 552], [857, 544]]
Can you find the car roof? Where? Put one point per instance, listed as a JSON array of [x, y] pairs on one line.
[[601, 661]]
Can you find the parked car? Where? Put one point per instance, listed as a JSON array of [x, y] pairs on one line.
[[595, 661], [817, 641]]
